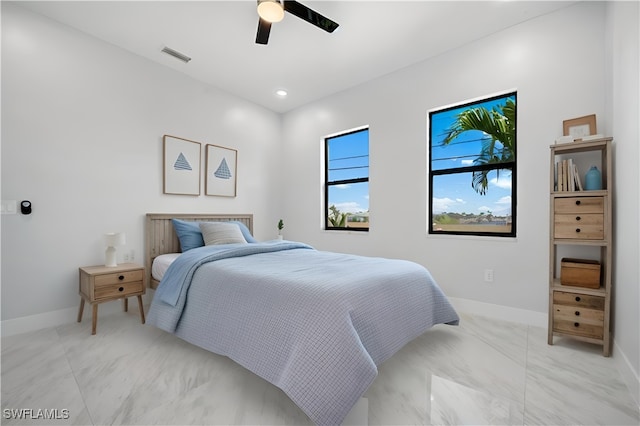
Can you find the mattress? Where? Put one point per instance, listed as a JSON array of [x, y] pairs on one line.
[[161, 264]]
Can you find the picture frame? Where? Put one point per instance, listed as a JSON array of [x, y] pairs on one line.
[[580, 126], [181, 159], [221, 171]]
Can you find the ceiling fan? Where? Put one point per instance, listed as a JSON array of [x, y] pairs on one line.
[[271, 11]]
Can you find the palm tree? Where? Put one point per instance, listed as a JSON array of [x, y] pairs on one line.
[[337, 218], [499, 126]]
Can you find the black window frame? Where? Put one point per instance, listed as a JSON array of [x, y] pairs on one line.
[[329, 184], [512, 165]]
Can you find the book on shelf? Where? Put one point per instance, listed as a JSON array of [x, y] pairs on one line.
[[576, 175], [566, 176]]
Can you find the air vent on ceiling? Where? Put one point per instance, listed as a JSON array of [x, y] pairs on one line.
[[176, 54]]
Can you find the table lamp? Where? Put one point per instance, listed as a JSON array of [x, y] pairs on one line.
[[113, 239]]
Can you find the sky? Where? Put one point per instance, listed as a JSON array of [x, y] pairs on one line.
[[349, 159], [453, 193]]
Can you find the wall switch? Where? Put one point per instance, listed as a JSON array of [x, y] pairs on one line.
[[9, 207], [488, 275]]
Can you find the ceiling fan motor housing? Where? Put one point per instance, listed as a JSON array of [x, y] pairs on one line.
[[273, 11]]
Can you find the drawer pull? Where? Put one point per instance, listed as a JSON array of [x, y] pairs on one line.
[[577, 229], [578, 218], [577, 202], [578, 298], [121, 277], [576, 324], [577, 313], [121, 289]]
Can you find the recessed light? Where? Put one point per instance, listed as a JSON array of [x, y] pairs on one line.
[[282, 93]]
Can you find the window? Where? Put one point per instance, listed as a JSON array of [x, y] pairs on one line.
[[472, 168], [346, 192]]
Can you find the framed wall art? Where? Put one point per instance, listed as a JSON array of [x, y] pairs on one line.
[[221, 166], [580, 127], [181, 166]]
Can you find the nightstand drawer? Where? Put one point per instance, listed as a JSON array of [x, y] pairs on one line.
[[115, 290], [578, 300], [579, 205], [587, 226], [118, 278]]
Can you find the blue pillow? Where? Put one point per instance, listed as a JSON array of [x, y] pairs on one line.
[[245, 232], [190, 235]]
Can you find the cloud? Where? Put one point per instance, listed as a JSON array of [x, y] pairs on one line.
[[483, 208], [466, 162], [349, 207], [445, 204], [342, 186], [504, 182], [504, 200]]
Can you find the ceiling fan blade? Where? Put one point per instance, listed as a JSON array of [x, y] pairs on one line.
[[311, 16], [264, 28]]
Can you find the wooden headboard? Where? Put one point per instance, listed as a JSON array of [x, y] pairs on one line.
[[161, 238]]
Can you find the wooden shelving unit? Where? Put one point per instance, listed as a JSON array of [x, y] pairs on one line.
[[581, 221]]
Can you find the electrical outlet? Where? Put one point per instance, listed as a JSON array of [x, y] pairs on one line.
[[126, 257], [488, 275], [132, 256]]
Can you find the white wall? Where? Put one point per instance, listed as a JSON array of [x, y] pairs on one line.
[[623, 109], [82, 127]]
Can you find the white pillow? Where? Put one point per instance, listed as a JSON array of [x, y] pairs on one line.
[[221, 233]]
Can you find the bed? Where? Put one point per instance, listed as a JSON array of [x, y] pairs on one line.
[[316, 324]]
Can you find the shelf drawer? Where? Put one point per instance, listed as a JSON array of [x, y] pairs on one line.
[[114, 290], [588, 226], [118, 278], [582, 315], [579, 205], [578, 300], [579, 328]]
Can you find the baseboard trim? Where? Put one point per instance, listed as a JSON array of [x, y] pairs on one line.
[[629, 375], [36, 322], [505, 313]]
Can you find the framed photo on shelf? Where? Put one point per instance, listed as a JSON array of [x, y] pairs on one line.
[[221, 166], [580, 127], [181, 166]]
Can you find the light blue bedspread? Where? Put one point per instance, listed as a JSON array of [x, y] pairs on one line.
[[316, 324]]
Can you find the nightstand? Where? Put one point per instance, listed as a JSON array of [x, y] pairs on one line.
[[100, 284]]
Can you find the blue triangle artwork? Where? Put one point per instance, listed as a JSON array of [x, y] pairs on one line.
[[182, 163], [223, 170]]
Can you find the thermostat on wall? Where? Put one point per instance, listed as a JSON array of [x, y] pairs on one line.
[[25, 207]]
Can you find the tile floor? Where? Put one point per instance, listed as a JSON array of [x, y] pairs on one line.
[[484, 372]]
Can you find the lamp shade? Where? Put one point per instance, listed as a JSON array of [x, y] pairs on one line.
[[270, 10], [112, 239]]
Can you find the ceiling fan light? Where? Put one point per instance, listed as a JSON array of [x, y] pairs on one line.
[[270, 10]]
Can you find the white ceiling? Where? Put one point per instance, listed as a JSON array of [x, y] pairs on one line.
[[374, 38]]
